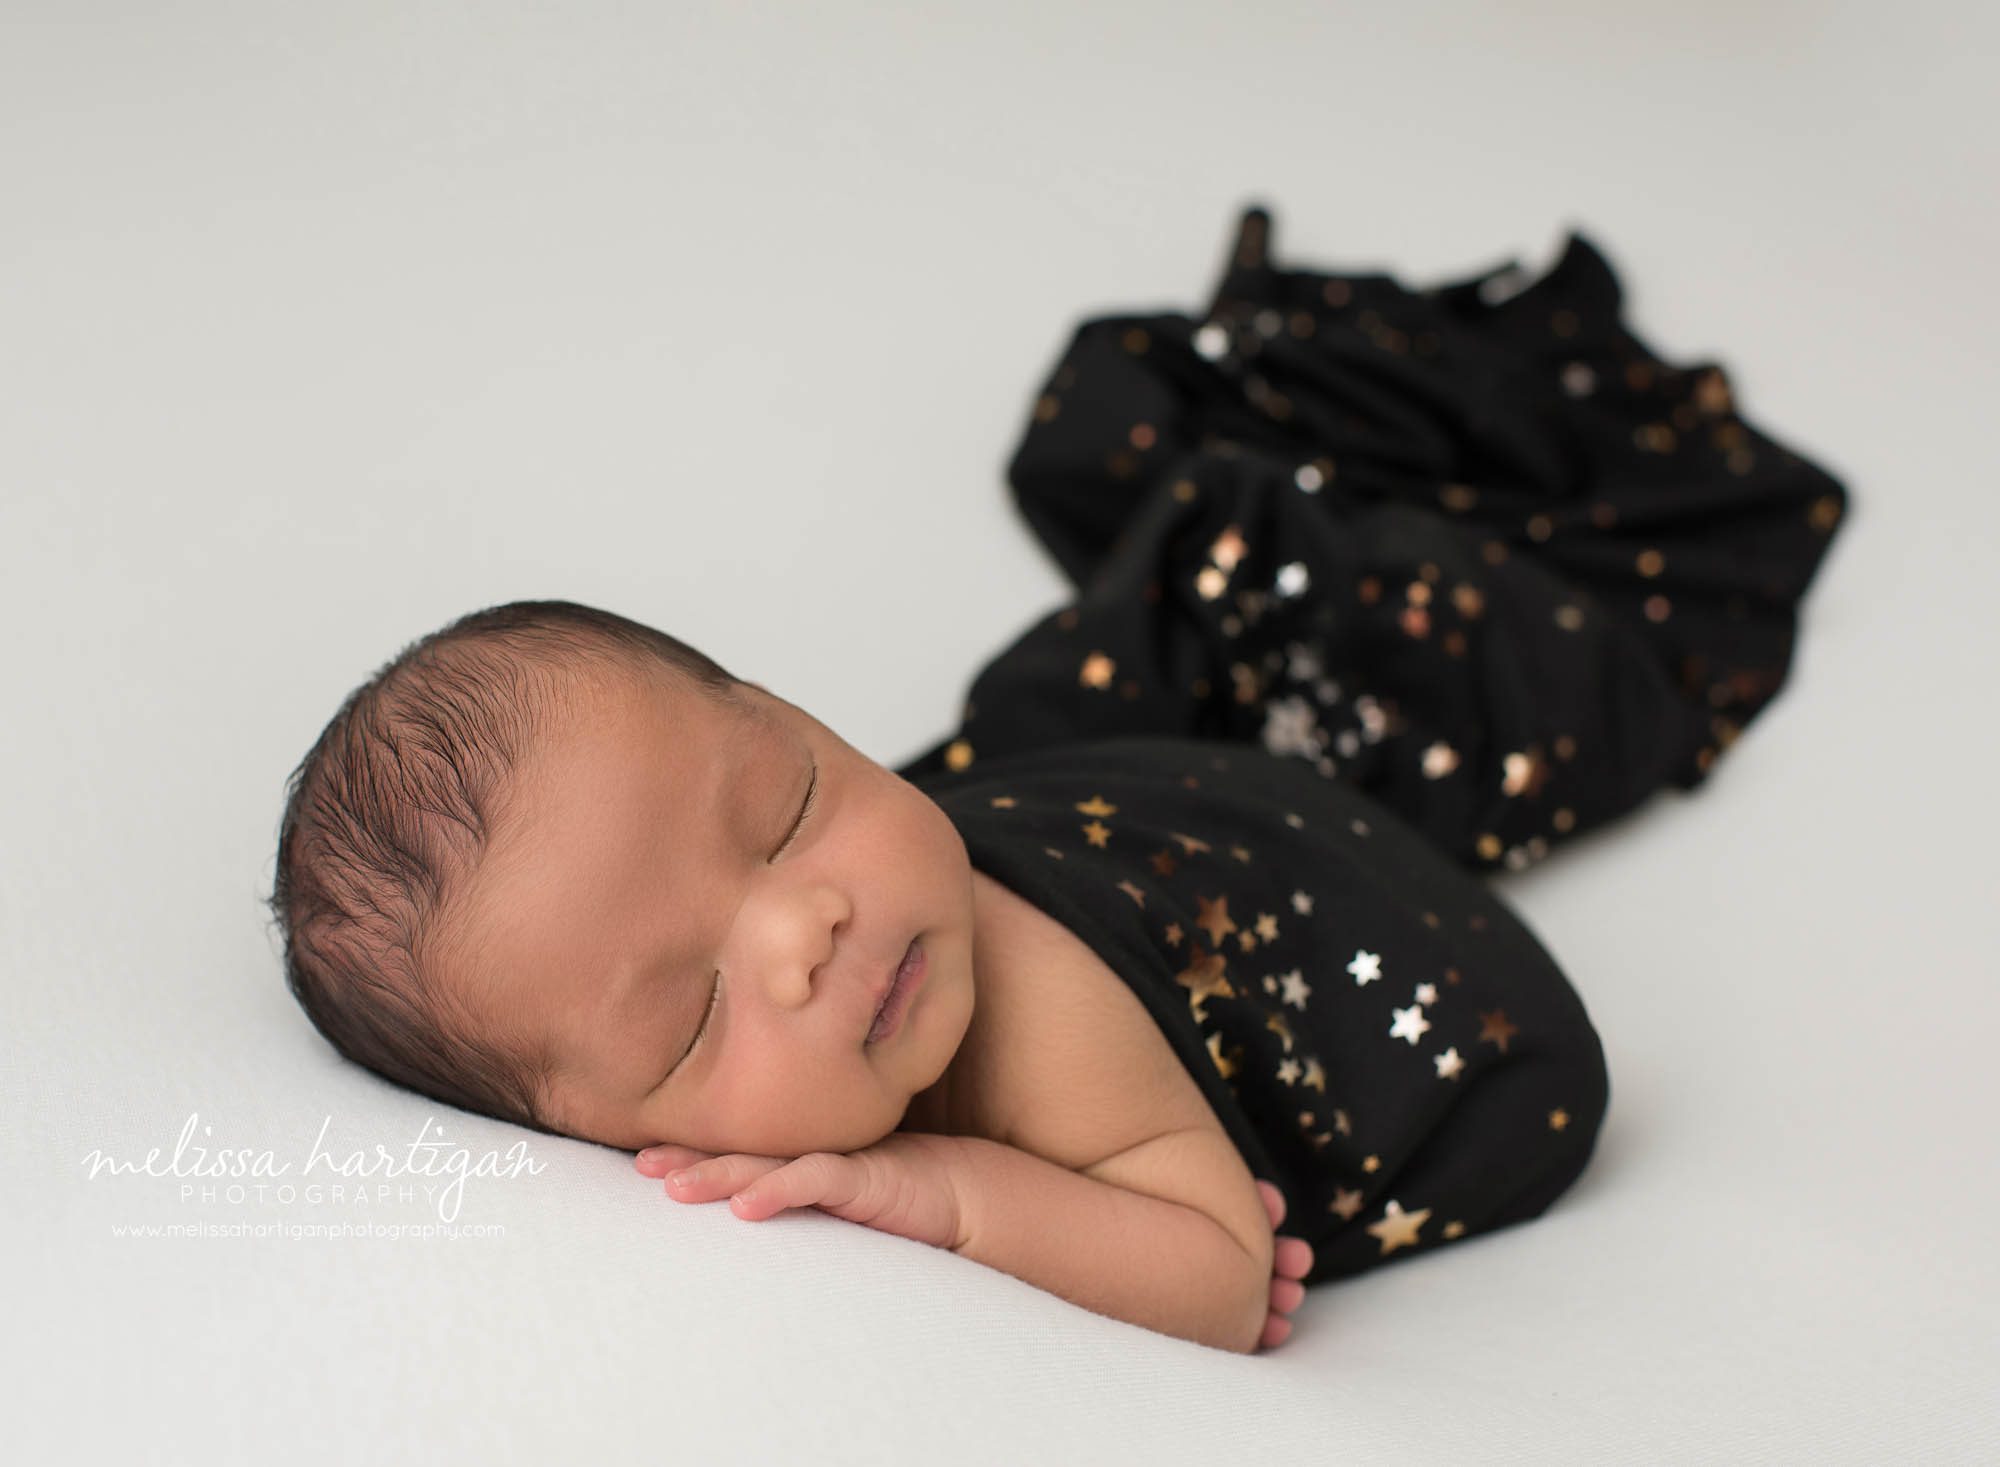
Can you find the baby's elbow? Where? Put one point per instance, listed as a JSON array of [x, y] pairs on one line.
[[1254, 1294], [1248, 1336]]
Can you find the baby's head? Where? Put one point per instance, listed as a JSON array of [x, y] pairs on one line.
[[527, 855]]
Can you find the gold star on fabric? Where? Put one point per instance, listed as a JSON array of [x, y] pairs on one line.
[[1558, 1118], [1097, 671], [1135, 892], [1267, 926], [1097, 833], [1215, 918], [1188, 843], [1277, 1025], [1398, 1229], [1095, 806], [1346, 1202], [1226, 1065], [1449, 1063], [1315, 1076], [1163, 862], [1204, 979], [1241, 853], [1439, 760], [1410, 1023], [1173, 934], [1427, 993], [1371, 1163], [1302, 904], [1288, 1071], [1497, 1029], [1711, 392], [1342, 1124], [958, 755], [1454, 1229], [1297, 990], [1525, 773], [1211, 583], [1366, 968], [1003, 802], [1228, 548], [1247, 941]]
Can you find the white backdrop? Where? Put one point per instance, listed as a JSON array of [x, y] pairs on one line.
[[321, 324]]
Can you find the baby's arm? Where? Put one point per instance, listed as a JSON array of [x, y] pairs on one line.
[[1162, 1264]]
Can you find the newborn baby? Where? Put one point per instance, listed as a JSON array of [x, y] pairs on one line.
[[554, 866], [1376, 587]]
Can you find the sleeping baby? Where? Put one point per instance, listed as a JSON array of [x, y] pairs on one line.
[[1048, 1011], [1182, 930]]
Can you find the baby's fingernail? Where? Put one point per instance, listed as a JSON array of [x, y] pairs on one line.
[[681, 1179]]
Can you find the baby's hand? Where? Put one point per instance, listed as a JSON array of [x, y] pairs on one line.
[[900, 1185], [1291, 1261]]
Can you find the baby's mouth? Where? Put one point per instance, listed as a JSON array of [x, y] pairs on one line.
[[897, 978]]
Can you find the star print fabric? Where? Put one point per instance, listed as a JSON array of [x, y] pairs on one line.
[[1373, 584], [1482, 555], [1377, 1034]]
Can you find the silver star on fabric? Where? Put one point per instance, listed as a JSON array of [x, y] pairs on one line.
[[1302, 664], [1291, 726], [1410, 1023]]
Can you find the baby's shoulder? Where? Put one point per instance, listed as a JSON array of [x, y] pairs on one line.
[[1069, 1064]]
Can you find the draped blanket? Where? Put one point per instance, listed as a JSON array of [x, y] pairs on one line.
[[1474, 548]]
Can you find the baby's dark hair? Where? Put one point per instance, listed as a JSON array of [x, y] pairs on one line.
[[390, 813]]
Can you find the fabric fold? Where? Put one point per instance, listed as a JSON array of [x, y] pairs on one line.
[[1474, 548]]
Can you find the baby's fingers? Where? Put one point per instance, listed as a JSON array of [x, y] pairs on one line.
[[657, 1161], [720, 1176]]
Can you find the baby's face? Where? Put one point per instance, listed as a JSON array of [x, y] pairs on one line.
[[636, 872]]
